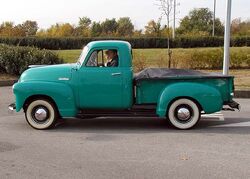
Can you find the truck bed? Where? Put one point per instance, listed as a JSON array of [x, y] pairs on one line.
[[150, 82]]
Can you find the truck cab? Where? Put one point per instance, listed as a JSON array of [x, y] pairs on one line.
[[91, 88], [102, 87]]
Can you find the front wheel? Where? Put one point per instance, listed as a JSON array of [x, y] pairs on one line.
[[183, 114], [41, 114]]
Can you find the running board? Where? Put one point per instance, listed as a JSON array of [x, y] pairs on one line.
[[135, 111]]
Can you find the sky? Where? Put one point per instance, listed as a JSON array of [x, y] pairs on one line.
[[48, 12]]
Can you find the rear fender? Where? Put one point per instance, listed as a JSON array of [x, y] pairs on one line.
[[209, 98], [61, 94]]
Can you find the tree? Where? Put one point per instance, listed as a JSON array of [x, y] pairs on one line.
[[137, 33], [125, 27], [200, 21], [166, 31], [30, 27], [65, 30], [41, 33], [153, 28], [8, 29], [96, 29], [83, 28], [58, 30], [166, 7], [240, 28], [84, 22], [109, 27]]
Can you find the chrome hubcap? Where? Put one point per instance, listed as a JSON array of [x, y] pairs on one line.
[[40, 114], [183, 114]]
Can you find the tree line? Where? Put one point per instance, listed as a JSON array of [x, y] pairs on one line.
[[197, 23]]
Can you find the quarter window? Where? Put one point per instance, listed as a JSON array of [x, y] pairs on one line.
[[92, 62]]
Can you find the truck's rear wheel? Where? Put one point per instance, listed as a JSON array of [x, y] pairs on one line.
[[41, 114], [183, 114]]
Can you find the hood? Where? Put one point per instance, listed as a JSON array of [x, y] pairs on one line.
[[48, 73]]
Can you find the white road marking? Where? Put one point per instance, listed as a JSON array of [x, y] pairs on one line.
[[240, 124], [217, 116], [220, 117]]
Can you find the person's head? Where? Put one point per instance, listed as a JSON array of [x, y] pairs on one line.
[[111, 54]]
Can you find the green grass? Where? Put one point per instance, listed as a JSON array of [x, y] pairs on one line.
[[69, 56], [151, 56]]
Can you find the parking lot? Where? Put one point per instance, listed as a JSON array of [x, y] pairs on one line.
[[219, 147]]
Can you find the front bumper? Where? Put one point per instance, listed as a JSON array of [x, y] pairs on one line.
[[12, 107]]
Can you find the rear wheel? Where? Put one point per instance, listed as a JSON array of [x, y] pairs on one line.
[[41, 114], [183, 114]]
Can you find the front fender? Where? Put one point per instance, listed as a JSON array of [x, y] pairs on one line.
[[208, 97], [61, 93]]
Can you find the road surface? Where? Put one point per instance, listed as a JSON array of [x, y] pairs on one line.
[[219, 147]]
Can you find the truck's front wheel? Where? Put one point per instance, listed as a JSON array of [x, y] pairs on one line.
[[183, 114], [41, 114]]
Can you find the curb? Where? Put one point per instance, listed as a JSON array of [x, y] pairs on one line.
[[237, 94], [7, 83], [242, 94]]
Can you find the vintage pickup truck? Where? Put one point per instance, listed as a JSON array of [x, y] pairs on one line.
[[89, 88]]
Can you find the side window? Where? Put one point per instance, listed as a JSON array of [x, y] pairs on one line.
[[93, 60], [104, 58], [112, 56]]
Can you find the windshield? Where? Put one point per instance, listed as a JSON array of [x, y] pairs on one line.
[[83, 55]]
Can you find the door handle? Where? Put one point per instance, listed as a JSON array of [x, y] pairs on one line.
[[116, 74]]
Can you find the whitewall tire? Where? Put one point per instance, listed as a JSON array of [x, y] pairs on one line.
[[183, 114], [41, 114]]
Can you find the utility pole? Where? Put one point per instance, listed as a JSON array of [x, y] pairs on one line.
[[214, 18], [174, 19], [227, 38]]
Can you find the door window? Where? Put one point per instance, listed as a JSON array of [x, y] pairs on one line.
[[98, 59]]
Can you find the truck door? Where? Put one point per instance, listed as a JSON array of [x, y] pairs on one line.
[[100, 87]]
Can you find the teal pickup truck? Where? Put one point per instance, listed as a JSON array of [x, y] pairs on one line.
[[90, 88]]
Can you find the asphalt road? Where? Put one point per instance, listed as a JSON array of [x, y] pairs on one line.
[[125, 147]]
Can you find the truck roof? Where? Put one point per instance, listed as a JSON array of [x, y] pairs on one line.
[[125, 50], [109, 43]]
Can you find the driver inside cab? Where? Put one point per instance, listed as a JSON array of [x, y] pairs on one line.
[[112, 57]]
